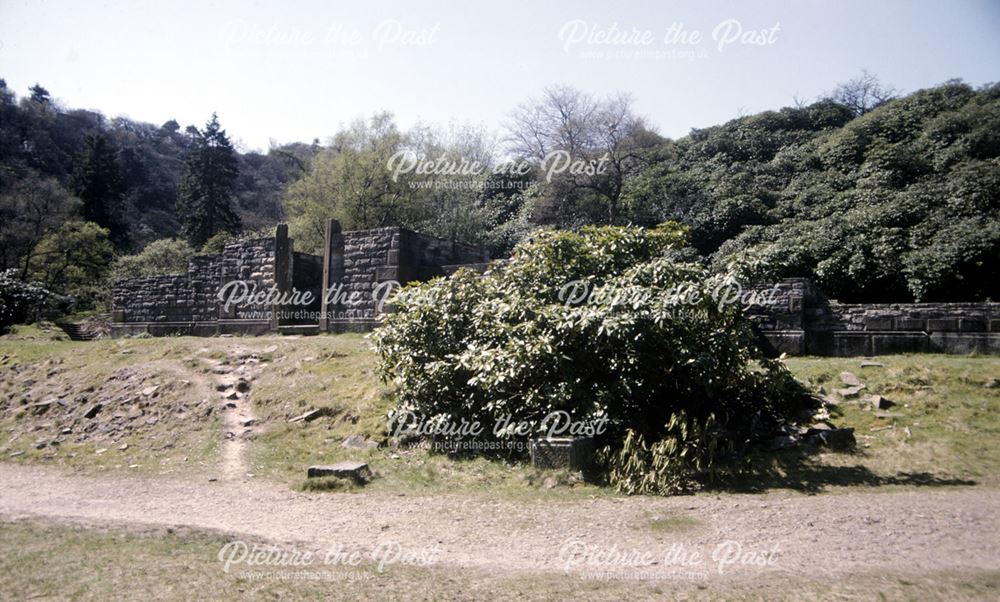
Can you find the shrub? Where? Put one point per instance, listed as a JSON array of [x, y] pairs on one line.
[[160, 257], [21, 301], [652, 348]]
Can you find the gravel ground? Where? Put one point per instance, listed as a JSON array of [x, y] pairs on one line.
[[737, 536]]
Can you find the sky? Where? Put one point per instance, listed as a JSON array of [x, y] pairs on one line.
[[294, 71]]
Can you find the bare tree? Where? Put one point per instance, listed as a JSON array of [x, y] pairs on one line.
[[588, 128], [863, 93]]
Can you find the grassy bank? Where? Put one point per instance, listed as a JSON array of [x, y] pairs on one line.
[[942, 429]]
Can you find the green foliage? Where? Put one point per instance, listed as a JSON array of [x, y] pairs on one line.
[[217, 243], [671, 465], [97, 182], [900, 203], [21, 301], [204, 200], [653, 344], [73, 261], [164, 256]]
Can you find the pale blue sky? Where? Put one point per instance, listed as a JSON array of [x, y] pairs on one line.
[[297, 70]]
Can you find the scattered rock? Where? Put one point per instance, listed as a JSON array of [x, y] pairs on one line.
[[357, 471], [15, 454], [877, 402], [783, 442], [100, 451], [869, 364], [991, 384], [248, 422], [93, 411], [313, 415], [40, 445], [40, 407], [123, 446], [234, 395], [850, 379], [837, 439], [358, 442], [150, 391], [550, 482], [850, 392]]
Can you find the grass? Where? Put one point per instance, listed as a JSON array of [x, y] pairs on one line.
[[39, 363], [943, 423], [944, 428], [673, 523], [51, 562]]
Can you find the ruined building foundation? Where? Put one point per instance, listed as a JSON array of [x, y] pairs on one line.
[[347, 281]]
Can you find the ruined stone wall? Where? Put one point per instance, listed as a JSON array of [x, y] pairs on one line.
[[361, 261], [802, 321], [188, 303]]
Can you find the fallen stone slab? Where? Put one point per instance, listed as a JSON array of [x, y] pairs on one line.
[[872, 365], [356, 471], [877, 402], [850, 392], [313, 415], [838, 439], [850, 379]]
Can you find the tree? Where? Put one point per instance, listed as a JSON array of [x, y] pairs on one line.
[[351, 182], [31, 207], [205, 197], [862, 94], [73, 261], [603, 134], [40, 95], [161, 257], [97, 182]]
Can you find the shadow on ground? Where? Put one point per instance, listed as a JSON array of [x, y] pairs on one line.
[[800, 470]]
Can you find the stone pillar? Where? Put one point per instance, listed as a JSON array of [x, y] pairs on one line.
[[333, 271], [282, 268]]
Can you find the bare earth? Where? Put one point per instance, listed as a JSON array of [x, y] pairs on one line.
[[906, 532]]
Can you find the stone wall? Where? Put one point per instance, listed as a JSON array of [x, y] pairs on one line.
[[802, 321], [354, 266], [363, 266], [188, 303], [359, 269]]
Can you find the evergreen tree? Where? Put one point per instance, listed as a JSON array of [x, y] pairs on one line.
[[204, 200], [97, 182]]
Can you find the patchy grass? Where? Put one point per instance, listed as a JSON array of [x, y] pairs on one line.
[[65, 562], [672, 523], [171, 430], [943, 424], [944, 428]]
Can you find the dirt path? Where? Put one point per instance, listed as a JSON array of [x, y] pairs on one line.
[[908, 532], [232, 379]]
